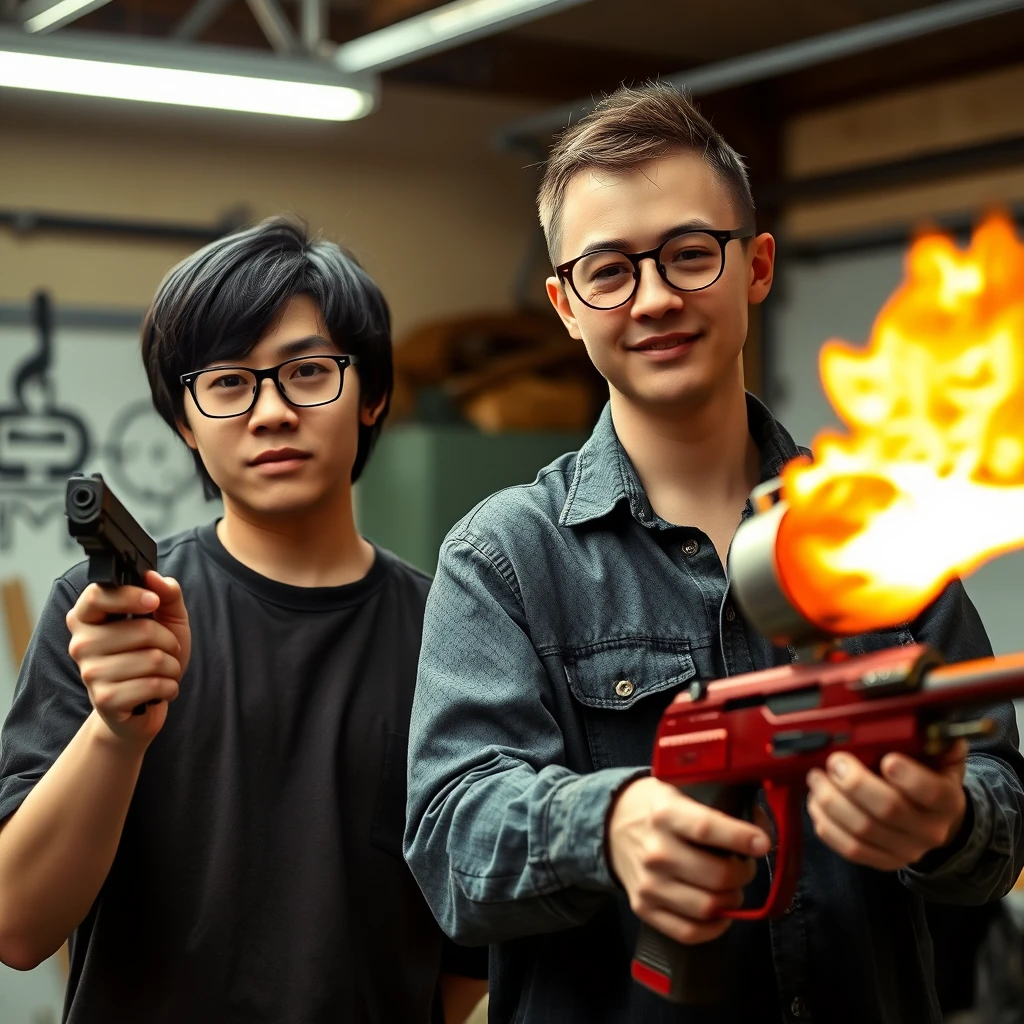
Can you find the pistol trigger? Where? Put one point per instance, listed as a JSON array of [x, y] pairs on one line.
[[940, 735]]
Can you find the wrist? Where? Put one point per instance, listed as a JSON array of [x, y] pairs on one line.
[[613, 803], [128, 748], [956, 841]]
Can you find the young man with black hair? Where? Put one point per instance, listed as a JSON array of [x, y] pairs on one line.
[[566, 614], [233, 854]]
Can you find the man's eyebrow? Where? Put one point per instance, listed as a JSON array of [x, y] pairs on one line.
[[303, 345], [623, 246]]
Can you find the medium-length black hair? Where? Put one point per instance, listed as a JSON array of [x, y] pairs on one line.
[[217, 304]]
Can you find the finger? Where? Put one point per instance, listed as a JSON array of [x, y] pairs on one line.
[[763, 820], [847, 846], [705, 826], [902, 842], [923, 787], [96, 603], [710, 871], [682, 929], [873, 794], [954, 755], [119, 668], [167, 589], [682, 899], [123, 698], [667, 857], [95, 641]]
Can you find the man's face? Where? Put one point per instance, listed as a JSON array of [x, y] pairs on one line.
[[278, 458], [664, 349]]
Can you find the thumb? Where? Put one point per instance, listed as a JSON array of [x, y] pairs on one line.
[[172, 604]]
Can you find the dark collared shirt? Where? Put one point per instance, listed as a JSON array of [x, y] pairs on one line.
[[547, 598]]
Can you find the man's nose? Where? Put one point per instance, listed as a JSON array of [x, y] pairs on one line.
[[271, 410], [654, 297]]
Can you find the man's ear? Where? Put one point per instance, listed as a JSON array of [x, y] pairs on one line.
[[556, 293], [369, 414], [186, 434], [762, 268]]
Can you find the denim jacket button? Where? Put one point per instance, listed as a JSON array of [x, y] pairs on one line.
[[730, 613], [624, 688], [796, 1008], [691, 547]]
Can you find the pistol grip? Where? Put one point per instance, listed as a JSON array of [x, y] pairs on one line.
[[139, 709], [786, 802]]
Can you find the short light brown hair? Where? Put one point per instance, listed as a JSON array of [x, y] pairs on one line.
[[627, 129]]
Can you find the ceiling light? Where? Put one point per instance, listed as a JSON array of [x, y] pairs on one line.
[[47, 15], [439, 29], [88, 64]]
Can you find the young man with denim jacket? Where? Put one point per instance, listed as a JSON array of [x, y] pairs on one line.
[[566, 614]]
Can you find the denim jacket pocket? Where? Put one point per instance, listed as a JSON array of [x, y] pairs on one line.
[[623, 686]]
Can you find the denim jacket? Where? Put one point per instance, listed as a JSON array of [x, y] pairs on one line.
[[546, 597]]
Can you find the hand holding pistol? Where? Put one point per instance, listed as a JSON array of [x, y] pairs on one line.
[[130, 634]]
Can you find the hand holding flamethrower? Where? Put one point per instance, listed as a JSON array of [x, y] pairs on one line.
[[722, 743], [853, 548]]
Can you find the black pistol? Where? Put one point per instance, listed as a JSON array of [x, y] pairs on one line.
[[119, 550]]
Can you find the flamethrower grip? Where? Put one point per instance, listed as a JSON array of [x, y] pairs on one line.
[[692, 974]]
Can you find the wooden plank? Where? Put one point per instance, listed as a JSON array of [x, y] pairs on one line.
[[909, 204], [18, 618], [938, 117]]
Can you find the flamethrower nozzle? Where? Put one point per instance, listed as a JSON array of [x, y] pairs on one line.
[[754, 576]]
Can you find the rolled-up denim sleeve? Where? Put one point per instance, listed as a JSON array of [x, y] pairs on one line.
[[984, 861], [503, 839]]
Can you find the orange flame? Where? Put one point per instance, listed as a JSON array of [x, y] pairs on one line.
[[928, 483]]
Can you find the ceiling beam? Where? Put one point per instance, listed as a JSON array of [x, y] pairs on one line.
[[313, 24], [779, 60], [276, 27], [442, 28], [199, 18], [48, 15]]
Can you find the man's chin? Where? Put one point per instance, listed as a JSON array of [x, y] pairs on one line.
[[667, 396]]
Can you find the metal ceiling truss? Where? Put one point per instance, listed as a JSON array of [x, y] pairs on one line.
[[779, 60]]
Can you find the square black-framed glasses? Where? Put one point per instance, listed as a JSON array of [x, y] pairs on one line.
[[270, 373], [565, 270]]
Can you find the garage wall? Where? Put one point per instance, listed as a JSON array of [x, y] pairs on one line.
[[439, 217]]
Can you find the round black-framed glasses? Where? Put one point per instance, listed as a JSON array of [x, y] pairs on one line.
[[222, 392], [689, 261]]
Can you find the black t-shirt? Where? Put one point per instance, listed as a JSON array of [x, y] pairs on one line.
[[259, 877]]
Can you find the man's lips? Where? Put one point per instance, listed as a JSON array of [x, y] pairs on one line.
[[665, 341], [279, 455]]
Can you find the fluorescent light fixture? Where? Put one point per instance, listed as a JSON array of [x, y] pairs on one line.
[[451, 25], [88, 64], [47, 15]]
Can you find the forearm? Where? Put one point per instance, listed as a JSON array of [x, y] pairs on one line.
[[57, 848], [515, 852]]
